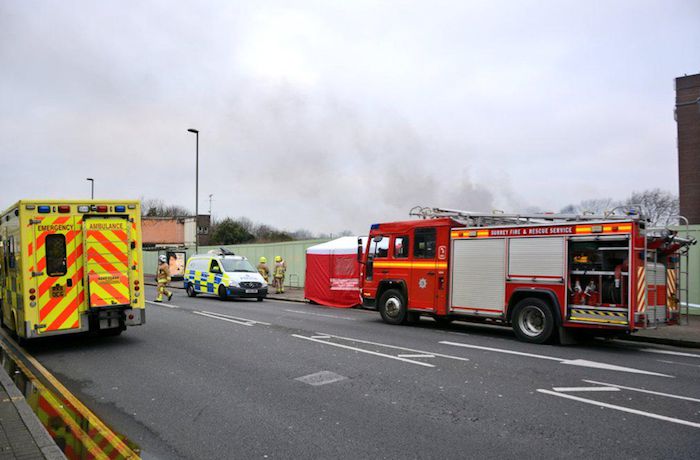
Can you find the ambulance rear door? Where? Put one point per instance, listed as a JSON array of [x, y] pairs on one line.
[[55, 271], [107, 248]]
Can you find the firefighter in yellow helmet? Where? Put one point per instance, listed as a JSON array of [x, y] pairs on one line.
[[280, 270], [163, 278], [263, 269]]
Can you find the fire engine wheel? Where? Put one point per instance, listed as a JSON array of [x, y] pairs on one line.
[[392, 307], [222, 292], [190, 291], [533, 320]]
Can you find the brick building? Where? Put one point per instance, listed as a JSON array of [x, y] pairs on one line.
[[688, 120], [174, 231]]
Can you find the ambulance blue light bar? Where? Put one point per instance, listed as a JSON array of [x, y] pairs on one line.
[[119, 209], [44, 209]]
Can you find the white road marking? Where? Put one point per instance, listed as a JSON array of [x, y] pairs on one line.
[[161, 304], [501, 350], [621, 408], [321, 336], [361, 350], [676, 362], [415, 355], [572, 362], [321, 378], [320, 314], [611, 367], [458, 358], [641, 390], [222, 319], [237, 318], [583, 389], [668, 352]]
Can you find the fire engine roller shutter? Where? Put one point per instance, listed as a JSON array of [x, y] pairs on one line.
[[478, 272], [536, 257]]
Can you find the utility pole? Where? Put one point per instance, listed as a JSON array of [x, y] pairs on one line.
[[196, 193], [210, 200]]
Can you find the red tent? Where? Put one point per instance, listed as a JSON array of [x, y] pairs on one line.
[[333, 274]]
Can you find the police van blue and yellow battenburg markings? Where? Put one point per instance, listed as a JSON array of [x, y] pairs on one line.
[[64, 262], [206, 281]]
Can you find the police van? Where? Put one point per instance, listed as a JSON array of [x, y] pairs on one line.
[[222, 273]]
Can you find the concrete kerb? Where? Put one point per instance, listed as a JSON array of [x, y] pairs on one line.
[[41, 437], [178, 285], [682, 343]]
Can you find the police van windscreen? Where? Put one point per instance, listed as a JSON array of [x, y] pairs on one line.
[[237, 265]]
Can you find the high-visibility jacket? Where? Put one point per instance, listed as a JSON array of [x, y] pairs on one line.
[[280, 269], [163, 273], [264, 270]]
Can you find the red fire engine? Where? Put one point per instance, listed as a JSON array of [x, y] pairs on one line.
[[540, 273]]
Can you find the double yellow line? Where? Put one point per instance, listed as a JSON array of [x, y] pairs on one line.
[[118, 444]]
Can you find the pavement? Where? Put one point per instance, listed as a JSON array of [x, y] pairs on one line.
[[22, 436]]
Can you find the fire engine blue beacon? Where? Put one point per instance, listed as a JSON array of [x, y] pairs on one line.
[[374, 227]]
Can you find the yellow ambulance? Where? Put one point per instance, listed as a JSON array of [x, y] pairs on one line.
[[71, 266]]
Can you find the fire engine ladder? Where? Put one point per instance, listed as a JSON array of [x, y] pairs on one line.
[[682, 271], [480, 219], [682, 287]]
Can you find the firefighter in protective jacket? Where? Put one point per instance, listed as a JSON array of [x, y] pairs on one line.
[[263, 269], [163, 278], [280, 270]]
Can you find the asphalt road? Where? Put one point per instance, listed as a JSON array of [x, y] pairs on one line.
[[192, 383]]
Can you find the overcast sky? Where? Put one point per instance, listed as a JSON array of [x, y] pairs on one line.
[[333, 115]]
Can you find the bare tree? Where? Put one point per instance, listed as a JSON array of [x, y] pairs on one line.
[[659, 206], [595, 206], [155, 207]]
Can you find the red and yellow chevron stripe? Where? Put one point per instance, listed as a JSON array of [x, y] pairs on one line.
[[59, 311], [641, 291], [671, 289]]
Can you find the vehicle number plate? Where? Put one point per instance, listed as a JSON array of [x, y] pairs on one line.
[[58, 291], [251, 291]]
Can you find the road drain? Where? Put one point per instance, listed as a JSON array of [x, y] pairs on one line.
[[77, 434]]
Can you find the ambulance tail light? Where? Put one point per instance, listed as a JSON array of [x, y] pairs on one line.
[[32, 291], [83, 208], [44, 209], [64, 209]]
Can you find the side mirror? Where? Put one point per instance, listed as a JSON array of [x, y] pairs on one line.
[[378, 239], [359, 250]]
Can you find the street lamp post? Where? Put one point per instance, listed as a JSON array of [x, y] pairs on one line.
[[196, 192], [92, 187]]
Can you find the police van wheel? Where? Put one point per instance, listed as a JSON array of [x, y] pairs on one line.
[[190, 291], [260, 299], [392, 307], [533, 321], [222, 292]]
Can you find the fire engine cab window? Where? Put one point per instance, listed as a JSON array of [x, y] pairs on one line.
[[424, 245], [401, 247], [55, 255], [380, 248]]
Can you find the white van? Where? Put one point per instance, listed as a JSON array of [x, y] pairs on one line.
[[224, 274]]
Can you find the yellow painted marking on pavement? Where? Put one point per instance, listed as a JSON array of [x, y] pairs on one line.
[[86, 413]]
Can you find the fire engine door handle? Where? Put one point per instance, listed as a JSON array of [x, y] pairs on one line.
[[384, 272], [430, 273]]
